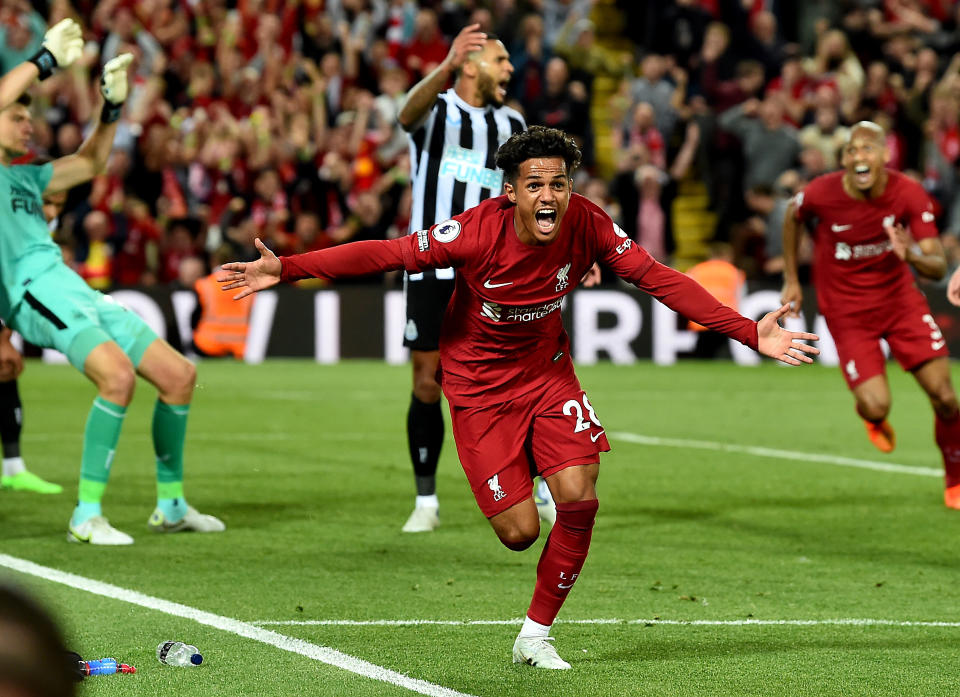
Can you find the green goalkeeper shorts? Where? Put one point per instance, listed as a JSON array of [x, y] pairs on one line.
[[60, 311]]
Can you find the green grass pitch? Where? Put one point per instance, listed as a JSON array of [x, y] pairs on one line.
[[307, 465]]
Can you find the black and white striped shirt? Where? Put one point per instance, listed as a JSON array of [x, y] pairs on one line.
[[452, 160]]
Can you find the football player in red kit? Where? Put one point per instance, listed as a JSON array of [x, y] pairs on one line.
[[515, 402], [874, 227]]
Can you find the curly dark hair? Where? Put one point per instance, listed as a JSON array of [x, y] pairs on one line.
[[537, 141]]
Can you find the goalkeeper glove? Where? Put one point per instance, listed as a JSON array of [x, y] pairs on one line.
[[114, 87], [62, 45]]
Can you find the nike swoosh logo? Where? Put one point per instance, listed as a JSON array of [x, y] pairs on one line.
[[840, 228], [594, 437], [80, 538], [487, 284], [563, 587]]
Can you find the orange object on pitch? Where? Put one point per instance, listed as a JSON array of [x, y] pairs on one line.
[[951, 497], [882, 436]]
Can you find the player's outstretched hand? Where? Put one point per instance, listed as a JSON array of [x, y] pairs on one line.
[[953, 288], [113, 80], [786, 346], [792, 296], [469, 39], [252, 276], [65, 41]]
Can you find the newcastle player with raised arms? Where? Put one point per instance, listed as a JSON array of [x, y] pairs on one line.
[[454, 135], [873, 228], [515, 402]]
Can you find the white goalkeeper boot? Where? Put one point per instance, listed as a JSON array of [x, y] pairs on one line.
[[193, 521], [97, 531]]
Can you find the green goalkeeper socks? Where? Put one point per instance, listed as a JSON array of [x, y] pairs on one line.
[[169, 434], [99, 445], [100, 442]]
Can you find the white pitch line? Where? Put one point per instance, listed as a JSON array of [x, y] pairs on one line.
[[399, 623], [323, 654], [850, 621], [777, 453], [855, 622]]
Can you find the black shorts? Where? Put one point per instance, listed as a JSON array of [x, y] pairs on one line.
[[427, 300]]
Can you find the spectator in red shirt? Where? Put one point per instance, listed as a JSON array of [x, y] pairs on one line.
[[427, 49], [136, 255], [179, 245], [643, 132], [795, 89]]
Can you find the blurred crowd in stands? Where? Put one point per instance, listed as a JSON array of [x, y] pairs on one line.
[[277, 119]]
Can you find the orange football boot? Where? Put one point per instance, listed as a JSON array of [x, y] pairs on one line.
[[951, 497], [882, 436]]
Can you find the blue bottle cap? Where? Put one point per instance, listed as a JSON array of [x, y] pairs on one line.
[[196, 659]]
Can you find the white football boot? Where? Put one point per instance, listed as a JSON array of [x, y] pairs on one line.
[[538, 652], [97, 531], [423, 519], [193, 521]]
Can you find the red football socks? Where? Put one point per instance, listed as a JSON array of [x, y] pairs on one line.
[[948, 439], [562, 558]]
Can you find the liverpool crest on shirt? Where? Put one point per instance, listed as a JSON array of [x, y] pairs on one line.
[[562, 280]]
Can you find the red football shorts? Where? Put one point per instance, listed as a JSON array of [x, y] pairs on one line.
[[906, 323], [502, 446]]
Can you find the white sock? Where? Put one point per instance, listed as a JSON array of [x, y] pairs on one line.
[[13, 466], [428, 501], [534, 629]]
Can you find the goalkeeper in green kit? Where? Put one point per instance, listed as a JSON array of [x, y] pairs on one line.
[[51, 306]]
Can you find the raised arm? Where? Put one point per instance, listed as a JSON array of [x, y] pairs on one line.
[[792, 292], [739, 119], [421, 98], [62, 45], [91, 158]]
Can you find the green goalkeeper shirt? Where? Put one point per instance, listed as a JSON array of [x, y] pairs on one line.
[[26, 248]]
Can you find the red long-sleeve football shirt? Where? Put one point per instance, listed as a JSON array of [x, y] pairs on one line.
[[502, 333]]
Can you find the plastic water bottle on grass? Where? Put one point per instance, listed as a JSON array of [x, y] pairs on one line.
[[176, 653], [103, 666]]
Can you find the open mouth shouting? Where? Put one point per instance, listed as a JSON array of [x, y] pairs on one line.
[[863, 176], [546, 219]]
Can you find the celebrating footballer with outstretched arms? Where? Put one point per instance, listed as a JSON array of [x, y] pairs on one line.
[[516, 405], [874, 229], [519, 255]]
